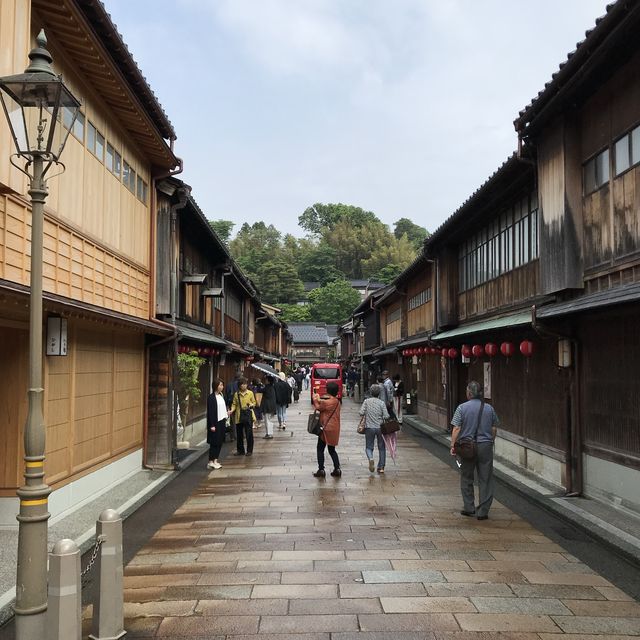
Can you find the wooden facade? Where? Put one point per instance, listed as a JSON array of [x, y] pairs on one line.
[[98, 261], [554, 229]]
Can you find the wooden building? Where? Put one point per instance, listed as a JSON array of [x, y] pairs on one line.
[[582, 131], [99, 259], [407, 321], [311, 343], [488, 257], [216, 312]]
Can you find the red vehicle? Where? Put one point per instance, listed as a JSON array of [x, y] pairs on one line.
[[321, 373]]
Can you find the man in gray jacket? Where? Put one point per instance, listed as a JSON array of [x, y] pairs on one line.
[[464, 423], [388, 393]]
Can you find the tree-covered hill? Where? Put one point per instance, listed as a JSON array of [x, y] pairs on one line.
[[343, 243]]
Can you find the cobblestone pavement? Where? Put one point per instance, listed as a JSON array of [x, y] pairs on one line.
[[263, 548]]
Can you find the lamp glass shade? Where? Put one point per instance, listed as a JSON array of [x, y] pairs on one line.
[[40, 111]]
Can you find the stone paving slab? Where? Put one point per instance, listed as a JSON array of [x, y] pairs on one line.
[[263, 549]]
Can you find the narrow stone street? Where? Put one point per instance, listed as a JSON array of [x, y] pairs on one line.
[[263, 548]]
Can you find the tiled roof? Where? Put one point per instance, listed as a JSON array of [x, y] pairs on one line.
[[614, 13], [309, 333], [101, 21], [511, 163]]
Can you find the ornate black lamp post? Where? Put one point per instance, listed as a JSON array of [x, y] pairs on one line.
[[36, 104]]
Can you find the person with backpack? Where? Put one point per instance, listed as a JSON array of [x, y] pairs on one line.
[[475, 425]]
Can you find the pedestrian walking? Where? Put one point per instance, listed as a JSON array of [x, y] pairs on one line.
[[477, 421], [217, 417], [242, 411], [307, 379], [352, 381], [283, 399], [374, 411], [258, 388], [398, 393], [291, 381], [387, 393], [329, 407], [268, 406]]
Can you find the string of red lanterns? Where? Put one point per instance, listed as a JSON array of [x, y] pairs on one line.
[[490, 349]]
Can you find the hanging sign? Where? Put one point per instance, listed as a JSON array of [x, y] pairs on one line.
[[56, 336], [487, 380]]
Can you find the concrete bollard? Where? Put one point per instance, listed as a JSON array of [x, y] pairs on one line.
[[108, 606], [64, 615]]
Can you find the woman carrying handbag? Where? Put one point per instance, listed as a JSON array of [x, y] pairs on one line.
[[329, 408], [374, 412]]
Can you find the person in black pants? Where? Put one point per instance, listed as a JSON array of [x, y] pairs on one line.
[[242, 410], [216, 423]]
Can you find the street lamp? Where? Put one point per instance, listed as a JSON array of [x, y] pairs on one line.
[[35, 102], [361, 334]]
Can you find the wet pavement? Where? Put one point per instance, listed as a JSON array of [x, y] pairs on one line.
[[261, 547]]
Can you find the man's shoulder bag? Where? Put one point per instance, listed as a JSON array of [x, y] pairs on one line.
[[466, 448]]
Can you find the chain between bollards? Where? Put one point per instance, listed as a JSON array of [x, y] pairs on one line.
[[100, 539]]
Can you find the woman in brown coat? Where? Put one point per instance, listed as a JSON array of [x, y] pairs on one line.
[[329, 408]]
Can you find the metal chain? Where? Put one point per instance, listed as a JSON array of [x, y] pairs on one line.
[[99, 541]]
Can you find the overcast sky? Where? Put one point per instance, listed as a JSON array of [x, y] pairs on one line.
[[402, 107]]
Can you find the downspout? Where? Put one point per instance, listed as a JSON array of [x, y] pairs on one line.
[[183, 195], [152, 289], [573, 465]]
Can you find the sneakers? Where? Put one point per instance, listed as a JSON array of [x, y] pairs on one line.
[[213, 465], [284, 426], [320, 473], [469, 514], [372, 465], [210, 465], [381, 470], [336, 473], [267, 437]]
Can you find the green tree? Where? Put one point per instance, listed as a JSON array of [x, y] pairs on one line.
[[320, 217], [334, 302], [254, 245], [387, 251], [188, 384], [278, 282], [222, 229], [318, 264], [295, 313], [415, 233], [388, 273], [352, 245]]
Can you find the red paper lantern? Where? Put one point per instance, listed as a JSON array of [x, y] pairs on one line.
[[526, 348], [444, 352], [477, 350], [466, 350], [453, 353], [507, 349], [491, 349], [423, 350]]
